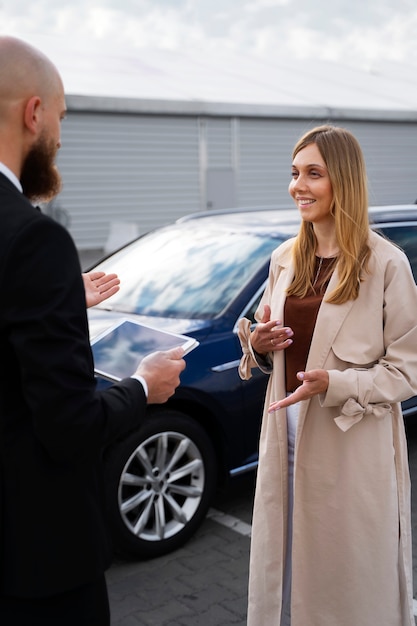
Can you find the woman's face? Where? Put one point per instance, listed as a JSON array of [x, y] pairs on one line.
[[310, 186]]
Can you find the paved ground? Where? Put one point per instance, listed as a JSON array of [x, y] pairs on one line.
[[204, 583]]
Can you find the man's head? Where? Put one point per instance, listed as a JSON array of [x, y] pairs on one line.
[[32, 106]]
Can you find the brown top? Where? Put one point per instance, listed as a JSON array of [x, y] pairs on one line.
[[300, 314]]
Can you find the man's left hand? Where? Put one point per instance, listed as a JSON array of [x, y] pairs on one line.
[[99, 286]]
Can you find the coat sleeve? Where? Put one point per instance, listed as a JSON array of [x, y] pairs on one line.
[[392, 377], [44, 317]]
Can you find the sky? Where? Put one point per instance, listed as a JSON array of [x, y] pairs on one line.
[[318, 52], [361, 32]]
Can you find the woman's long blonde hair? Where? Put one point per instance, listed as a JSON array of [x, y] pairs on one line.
[[345, 164]]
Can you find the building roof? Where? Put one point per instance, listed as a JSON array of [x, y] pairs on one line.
[[190, 80]]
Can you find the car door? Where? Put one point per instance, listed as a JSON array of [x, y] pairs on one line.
[[404, 234]]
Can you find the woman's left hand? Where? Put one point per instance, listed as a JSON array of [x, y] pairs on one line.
[[313, 383], [99, 286]]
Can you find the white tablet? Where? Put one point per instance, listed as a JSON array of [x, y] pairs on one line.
[[119, 349]]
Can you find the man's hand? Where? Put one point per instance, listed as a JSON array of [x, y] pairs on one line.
[[99, 286], [162, 370], [270, 336], [314, 383]]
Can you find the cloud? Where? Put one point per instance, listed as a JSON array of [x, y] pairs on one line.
[[260, 5], [346, 30]]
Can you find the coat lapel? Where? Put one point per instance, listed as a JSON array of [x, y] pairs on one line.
[[286, 275], [330, 318]]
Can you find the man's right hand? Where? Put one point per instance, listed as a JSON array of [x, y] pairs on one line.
[[162, 370]]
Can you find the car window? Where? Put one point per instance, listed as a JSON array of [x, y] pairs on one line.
[[250, 313], [404, 236], [186, 270], [253, 305]]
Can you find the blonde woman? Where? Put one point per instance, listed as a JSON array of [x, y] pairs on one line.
[[337, 334]]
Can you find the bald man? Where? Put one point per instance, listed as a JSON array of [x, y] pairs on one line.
[[54, 425]]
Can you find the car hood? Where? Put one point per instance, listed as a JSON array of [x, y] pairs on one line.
[[99, 320]]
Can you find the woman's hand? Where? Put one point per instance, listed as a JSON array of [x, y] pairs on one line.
[[99, 286], [270, 336], [314, 383]]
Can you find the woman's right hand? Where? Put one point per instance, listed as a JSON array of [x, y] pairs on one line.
[[270, 335]]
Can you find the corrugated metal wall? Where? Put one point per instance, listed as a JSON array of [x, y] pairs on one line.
[[265, 160], [390, 150], [141, 169], [151, 169]]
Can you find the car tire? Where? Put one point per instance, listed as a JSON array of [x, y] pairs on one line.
[[160, 482]]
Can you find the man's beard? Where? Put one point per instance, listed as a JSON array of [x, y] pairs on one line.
[[40, 178]]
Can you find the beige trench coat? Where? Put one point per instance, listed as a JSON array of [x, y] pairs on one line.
[[351, 558]]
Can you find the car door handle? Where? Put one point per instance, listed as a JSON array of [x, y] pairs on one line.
[[226, 366]]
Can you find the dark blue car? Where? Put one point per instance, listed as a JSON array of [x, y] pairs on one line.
[[197, 277]]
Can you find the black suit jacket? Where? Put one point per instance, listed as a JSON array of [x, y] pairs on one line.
[[54, 424]]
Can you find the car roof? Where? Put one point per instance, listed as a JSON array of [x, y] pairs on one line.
[[253, 220], [393, 213], [283, 219]]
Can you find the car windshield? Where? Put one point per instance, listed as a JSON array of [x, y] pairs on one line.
[[186, 270]]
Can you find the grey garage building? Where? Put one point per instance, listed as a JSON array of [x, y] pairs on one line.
[[130, 164]]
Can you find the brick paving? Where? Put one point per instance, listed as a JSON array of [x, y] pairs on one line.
[[204, 583]]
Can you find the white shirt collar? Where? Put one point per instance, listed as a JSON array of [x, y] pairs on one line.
[[12, 177]]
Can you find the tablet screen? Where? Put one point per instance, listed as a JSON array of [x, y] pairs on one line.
[[118, 350]]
